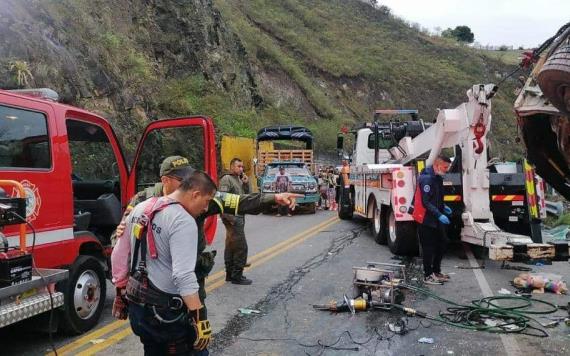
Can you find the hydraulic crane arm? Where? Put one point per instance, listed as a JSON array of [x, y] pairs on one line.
[[469, 122]]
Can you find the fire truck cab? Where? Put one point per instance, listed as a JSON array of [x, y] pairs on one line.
[[77, 183]]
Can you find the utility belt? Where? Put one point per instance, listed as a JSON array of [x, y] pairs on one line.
[[142, 292]]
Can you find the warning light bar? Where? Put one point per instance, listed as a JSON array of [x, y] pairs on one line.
[[40, 93]]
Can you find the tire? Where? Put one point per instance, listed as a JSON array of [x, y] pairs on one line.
[[313, 208], [378, 225], [402, 236], [554, 79], [345, 211], [84, 295]]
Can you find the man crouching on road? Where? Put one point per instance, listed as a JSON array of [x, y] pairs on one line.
[[162, 288]]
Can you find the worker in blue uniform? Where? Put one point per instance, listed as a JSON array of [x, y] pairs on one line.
[[431, 230]]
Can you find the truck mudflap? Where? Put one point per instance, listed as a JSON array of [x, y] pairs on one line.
[[16, 306]]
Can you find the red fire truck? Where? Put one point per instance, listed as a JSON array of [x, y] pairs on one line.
[[77, 183]]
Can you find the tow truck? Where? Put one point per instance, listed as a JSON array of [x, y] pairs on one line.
[[497, 210], [63, 172]]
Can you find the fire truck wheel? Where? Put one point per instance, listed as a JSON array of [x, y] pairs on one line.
[[402, 237], [85, 293], [344, 212], [378, 225]]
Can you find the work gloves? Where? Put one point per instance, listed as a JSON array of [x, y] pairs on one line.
[[444, 219], [203, 329], [121, 305], [447, 210]]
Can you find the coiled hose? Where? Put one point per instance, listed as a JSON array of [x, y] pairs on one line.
[[486, 314]]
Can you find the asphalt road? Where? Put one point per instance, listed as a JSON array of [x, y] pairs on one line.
[[305, 260]]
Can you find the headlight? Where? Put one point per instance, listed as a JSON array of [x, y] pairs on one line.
[[312, 186]]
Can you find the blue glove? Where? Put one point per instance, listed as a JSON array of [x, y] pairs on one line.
[[443, 219], [447, 210]]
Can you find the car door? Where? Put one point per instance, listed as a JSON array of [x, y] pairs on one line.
[[190, 137]]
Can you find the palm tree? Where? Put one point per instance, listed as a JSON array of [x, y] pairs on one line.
[[21, 72]]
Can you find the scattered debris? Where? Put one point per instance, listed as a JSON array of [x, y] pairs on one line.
[[491, 322], [504, 291], [97, 341], [505, 265], [539, 283], [398, 327], [558, 233], [426, 340], [471, 267], [449, 352], [246, 311]]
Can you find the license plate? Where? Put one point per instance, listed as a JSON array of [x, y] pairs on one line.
[[513, 218]]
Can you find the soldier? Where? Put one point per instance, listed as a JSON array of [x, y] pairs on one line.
[[172, 170], [235, 254]]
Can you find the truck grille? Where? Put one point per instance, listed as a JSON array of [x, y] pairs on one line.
[[298, 188]]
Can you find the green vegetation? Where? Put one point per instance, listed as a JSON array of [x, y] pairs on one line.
[[563, 220], [349, 58], [509, 57], [20, 71], [319, 63], [459, 33]]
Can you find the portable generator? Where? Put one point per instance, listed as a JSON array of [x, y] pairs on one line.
[[15, 262]]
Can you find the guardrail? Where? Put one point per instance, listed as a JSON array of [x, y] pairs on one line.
[[554, 208]]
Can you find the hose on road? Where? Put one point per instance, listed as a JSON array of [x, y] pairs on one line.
[[491, 315]]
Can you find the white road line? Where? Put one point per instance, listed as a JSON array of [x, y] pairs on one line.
[[509, 342]]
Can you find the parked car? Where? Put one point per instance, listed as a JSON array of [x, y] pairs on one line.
[[302, 182]]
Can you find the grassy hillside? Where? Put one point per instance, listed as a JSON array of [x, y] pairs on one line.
[[319, 63], [347, 59]]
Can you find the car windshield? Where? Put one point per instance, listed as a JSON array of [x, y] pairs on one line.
[[292, 170]]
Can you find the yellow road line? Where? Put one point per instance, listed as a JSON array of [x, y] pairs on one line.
[[111, 340], [87, 338], [278, 246], [212, 284]]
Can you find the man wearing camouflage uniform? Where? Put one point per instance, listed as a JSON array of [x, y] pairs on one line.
[[172, 170], [235, 254]]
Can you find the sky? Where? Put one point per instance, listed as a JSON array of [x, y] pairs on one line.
[[525, 23]]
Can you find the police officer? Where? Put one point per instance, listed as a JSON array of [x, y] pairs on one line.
[[172, 170], [235, 253], [431, 230], [164, 304]]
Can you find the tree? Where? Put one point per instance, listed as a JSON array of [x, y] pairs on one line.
[[464, 34], [459, 33]]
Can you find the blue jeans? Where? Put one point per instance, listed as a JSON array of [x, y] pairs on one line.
[[159, 338]]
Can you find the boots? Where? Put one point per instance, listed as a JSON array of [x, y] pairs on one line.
[[241, 280]]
